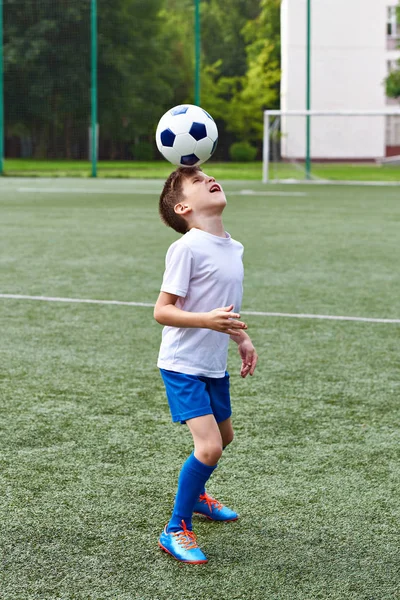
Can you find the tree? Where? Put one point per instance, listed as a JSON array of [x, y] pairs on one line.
[[47, 71], [176, 42], [45, 80], [239, 100], [261, 85], [393, 79], [131, 66], [145, 65], [393, 84], [223, 39]]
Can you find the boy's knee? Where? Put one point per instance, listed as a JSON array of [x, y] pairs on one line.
[[210, 453]]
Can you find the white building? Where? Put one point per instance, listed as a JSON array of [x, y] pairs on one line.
[[354, 44]]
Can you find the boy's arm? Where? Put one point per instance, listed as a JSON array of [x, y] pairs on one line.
[[247, 353], [220, 319]]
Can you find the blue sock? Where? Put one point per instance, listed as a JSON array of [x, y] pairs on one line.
[[192, 479]]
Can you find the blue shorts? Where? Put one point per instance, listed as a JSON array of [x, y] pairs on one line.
[[191, 396]]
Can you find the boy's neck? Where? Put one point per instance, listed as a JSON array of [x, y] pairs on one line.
[[213, 225]]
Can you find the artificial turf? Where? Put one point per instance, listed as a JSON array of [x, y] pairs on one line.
[[89, 457], [221, 170]]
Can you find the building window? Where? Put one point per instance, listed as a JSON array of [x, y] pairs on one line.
[[393, 27]]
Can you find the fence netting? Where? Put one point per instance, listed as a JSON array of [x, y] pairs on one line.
[[46, 78]]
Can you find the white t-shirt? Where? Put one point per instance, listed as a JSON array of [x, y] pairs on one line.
[[206, 272]]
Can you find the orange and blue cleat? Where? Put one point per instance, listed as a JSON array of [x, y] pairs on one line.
[[182, 545], [212, 509]]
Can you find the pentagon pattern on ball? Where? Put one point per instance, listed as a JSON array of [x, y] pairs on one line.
[[167, 138], [198, 131], [179, 110], [189, 160]]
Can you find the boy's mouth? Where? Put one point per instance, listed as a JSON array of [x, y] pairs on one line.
[[215, 188]]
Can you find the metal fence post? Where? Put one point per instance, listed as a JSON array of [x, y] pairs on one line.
[[197, 52], [94, 84], [2, 132]]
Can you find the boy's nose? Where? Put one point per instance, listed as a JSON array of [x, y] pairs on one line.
[[210, 179]]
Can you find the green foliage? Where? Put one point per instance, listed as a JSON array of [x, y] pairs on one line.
[[143, 151], [176, 52], [242, 152], [393, 84], [130, 72], [392, 81], [222, 33], [145, 65], [47, 70], [46, 82], [240, 100]]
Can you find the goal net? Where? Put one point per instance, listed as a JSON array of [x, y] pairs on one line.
[[337, 145]]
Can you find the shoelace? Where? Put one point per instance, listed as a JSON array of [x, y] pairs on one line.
[[210, 501], [186, 538]]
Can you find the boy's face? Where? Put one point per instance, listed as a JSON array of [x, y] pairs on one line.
[[203, 194]]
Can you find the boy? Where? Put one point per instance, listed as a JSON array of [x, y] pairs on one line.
[[199, 306]]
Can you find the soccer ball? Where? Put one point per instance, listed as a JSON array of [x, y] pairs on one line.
[[186, 135]]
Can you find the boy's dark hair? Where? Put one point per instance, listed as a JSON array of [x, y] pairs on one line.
[[171, 195]]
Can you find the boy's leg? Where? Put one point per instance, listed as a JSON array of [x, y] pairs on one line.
[[207, 439], [196, 470], [207, 505], [226, 431]]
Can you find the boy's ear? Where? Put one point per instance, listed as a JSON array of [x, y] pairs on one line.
[[182, 208]]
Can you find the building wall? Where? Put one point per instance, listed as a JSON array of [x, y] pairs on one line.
[[349, 61]]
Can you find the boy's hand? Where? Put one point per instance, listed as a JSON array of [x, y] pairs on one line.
[[248, 355], [224, 320]]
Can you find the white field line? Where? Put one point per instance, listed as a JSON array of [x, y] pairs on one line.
[[263, 193], [74, 300], [110, 192], [333, 182], [53, 190], [327, 317], [243, 312]]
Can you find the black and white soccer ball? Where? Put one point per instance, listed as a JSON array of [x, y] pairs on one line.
[[186, 135]]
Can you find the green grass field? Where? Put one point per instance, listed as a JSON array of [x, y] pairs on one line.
[[161, 169], [89, 456]]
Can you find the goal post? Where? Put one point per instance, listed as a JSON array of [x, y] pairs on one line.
[[337, 136]]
